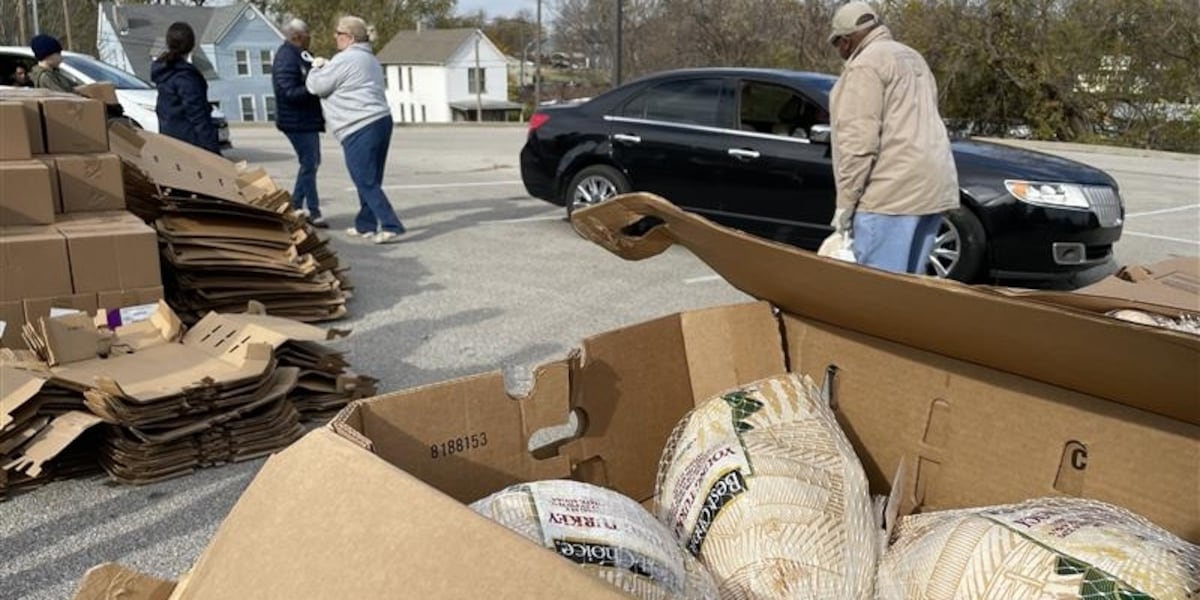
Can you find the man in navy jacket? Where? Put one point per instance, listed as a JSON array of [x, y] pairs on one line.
[[298, 116]]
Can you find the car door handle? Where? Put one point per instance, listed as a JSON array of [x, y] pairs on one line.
[[743, 153], [628, 138]]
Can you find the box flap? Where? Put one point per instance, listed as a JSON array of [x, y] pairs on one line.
[[16, 388], [1154, 370], [111, 581], [178, 165], [467, 437], [328, 520], [632, 385]]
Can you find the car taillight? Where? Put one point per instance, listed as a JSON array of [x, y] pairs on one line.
[[537, 120]]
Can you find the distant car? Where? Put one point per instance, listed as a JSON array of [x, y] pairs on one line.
[[137, 96], [749, 148]]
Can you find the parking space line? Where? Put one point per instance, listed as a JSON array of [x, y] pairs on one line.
[[434, 186], [1165, 238], [704, 279], [553, 217], [1163, 211]]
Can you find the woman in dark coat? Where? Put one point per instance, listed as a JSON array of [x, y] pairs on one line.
[[183, 110]]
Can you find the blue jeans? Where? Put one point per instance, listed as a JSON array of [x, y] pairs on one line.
[[307, 145], [896, 243], [366, 153]]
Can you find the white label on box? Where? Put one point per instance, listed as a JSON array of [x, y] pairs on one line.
[[597, 529], [62, 312], [136, 314]]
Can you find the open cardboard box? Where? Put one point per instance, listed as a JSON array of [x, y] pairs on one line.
[[982, 398]]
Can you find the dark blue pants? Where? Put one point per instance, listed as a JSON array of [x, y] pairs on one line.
[[366, 154], [307, 145]]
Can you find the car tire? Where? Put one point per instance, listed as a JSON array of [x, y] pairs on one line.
[[592, 185], [960, 248]]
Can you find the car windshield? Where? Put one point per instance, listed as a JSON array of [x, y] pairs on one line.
[[99, 71]]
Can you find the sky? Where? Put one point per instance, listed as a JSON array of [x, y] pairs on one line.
[[501, 7]]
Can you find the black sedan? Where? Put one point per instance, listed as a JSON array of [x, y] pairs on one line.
[[749, 148]]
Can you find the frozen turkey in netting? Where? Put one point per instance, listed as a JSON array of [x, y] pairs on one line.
[[1054, 548], [762, 485], [606, 533]]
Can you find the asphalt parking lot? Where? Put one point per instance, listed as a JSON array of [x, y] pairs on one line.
[[486, 278]]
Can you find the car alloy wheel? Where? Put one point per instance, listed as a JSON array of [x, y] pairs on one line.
[[592, 190], [947, 250]]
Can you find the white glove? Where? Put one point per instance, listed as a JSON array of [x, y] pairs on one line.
[[319, 62], [843, 220]]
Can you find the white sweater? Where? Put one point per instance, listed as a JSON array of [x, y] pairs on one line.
[[351, 88]]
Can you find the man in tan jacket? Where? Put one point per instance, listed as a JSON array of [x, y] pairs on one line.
[[892, 163]]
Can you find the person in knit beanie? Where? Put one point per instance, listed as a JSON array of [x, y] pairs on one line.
[[46, 73]]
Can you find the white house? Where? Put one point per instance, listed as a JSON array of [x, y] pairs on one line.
[[432, 74]]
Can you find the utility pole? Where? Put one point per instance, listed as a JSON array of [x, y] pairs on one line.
[[37, 27], [537, 60], [619, 45], [478, 82], [67, 25], [23, 32]]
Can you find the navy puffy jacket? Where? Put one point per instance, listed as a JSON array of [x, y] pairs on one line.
[[183, 109], [296, 110]]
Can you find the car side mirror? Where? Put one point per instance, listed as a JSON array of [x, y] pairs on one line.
[[820, 134]]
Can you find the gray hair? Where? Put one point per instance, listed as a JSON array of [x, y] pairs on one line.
[[356, 27], [295, 26]]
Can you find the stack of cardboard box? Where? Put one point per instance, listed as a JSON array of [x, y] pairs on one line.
[[228, 234], [66, 241], [166, 399]]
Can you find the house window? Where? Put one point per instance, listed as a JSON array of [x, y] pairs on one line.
[[242, 58], [267, 59], [247, 106], [412, 113], [410, 85], [269, 103], [422, 113], [477, 81]]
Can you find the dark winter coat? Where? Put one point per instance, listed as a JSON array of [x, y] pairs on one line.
[[183, 109], [296, 110]]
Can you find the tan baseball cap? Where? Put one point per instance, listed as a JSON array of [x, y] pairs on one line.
[[845, 20]]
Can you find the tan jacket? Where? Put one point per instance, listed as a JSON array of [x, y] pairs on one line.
[[891, 152]]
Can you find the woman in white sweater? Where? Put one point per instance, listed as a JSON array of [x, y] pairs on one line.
[[351, 88]]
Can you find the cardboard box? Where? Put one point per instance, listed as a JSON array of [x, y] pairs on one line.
[[15, 141], [74, 125], [12, 317], [90, 182], [124, 298], [364, 507], [45, 308], [26, 193], [32, 109], [33, 263], [104, 91], [110, 250], [55, 190]]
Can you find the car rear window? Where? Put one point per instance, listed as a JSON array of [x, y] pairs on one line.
[[692, 101]]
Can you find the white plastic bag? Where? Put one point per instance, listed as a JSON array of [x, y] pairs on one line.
[[839, 245]]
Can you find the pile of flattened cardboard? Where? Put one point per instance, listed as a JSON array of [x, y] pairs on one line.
[[227, 234], [165, 399]]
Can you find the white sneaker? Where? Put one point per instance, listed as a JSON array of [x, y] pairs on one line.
[[386, 237], [318, 222], [354, 232]]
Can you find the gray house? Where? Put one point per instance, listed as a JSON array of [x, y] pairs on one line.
[[235, 47]]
